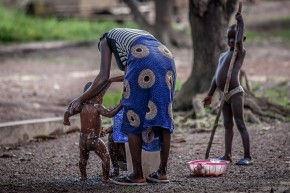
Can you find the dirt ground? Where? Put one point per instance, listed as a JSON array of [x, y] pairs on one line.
[[52, 166], [40, 84]]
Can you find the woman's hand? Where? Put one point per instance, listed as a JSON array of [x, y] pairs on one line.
[[66, 122]]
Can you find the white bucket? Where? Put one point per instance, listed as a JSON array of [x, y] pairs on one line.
[[150, 161]]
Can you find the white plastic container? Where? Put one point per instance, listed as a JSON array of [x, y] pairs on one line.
[[150, 161]]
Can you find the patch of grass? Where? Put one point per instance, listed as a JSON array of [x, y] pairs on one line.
[[178, 85], [278, 28], [18, 27], [112, 98], [256, 86], [287, 119], [277, 94], [283, 34], [253, 36]]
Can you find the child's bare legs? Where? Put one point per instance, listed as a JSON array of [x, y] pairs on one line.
[[229, 133], [135, 146], [103, 153], [84, 156], [113, 154], [237, 104]]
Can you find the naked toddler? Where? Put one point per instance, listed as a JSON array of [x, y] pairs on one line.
[[91, 126]]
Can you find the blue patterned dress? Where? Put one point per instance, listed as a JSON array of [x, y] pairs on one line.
[[148, 91]]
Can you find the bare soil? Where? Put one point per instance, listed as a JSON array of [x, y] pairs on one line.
[[52, 166], [40, 84]]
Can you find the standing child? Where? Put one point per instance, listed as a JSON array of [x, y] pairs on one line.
[[234, 99], [91, 125], [116, 149]]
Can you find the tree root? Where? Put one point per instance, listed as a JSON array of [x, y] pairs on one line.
[[265, 109]]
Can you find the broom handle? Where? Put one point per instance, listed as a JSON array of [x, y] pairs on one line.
[[226, 89], [233, 59]]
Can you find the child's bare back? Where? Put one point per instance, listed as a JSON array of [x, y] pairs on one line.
[[91, 120]]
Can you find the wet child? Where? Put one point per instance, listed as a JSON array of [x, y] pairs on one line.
[[116, 149], [91, 126], [234, 99]]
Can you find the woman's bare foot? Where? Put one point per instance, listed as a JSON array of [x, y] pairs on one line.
[[157, 177]]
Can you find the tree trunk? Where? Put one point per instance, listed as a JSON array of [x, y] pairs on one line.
[[209, 21], [163, 12], [138, 17], [162, 28], [264, 109]]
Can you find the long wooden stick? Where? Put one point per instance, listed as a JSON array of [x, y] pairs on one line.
[[226, 89]]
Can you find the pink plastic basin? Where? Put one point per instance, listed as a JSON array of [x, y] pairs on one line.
[[212, 167]]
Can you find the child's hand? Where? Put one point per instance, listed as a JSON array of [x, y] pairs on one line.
[[66, 118], [103, 133], [207, 101], [66, 122], [100, 108], [239, 17], [109, 130]]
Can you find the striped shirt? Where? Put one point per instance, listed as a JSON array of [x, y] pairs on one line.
[[120, 41]]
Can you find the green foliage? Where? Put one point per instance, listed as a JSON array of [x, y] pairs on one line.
[[178, 85], [283, 33], [284, 30], [278, 28], [253, 36], [256, 86], [277, 94], [18, 27], [287, 119], [112, 98]]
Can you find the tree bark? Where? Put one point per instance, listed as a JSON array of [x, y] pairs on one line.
[[161, 28], [163, 20], [264, 109], [138, 17], [209, 21]]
